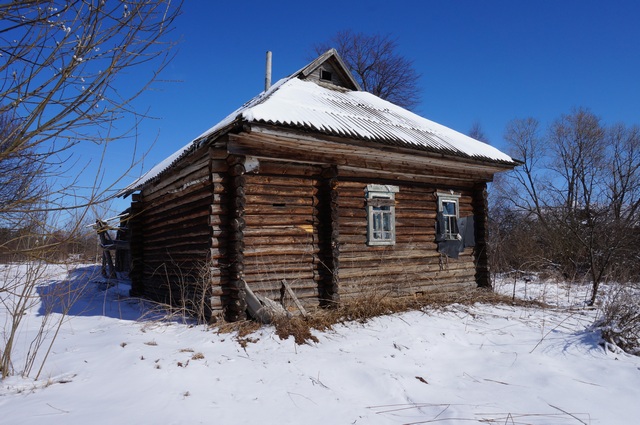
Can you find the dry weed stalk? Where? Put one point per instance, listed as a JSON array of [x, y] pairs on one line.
[[370, 305], [620, 323]]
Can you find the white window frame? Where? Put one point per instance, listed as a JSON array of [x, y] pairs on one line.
[[381, 210], [451, 230]]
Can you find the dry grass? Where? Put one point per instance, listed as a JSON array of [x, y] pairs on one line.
[[362, 309]]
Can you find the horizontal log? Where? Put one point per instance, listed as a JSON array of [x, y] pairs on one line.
[[350, 270], [197, 203], [161, 257], [422, 288], [413, 280], [280, 210], [278, 181], [288, 168], [195, 216], [299, 286], [304, 220], [280, 230], [305, 239], [288, 198], [259, 280], [401, 238], [282, 259], [267, 190], [273, 271], [180, 246], [278, 250], [353, 224], [199, 193], [342, 154], [191, 230], [353, 252], [176, 178]]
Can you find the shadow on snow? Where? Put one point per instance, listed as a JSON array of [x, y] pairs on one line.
[[84, 292]]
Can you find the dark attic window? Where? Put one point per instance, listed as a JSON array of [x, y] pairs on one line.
[[325, 75]]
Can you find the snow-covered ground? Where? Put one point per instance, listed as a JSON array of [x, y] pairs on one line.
[[114, 362]]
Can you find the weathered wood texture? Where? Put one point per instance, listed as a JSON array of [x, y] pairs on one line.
[[328, 236], [413, 264], [363, 158], [334, 76], [218, 220], [233, 251], [136, 243], [480, 209], [172, 236], [281, 230]]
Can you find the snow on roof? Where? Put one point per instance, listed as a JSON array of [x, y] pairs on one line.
[[360, 115], [363, 116]]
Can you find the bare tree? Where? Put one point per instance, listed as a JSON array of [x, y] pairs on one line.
[[577, 142], [377, 66], [64, 82], [526, 144], [60, 65], [19, 169], [476, 131], [578, 190], [623, 178]]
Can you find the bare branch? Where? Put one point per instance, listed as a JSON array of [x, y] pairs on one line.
[[377, 66]]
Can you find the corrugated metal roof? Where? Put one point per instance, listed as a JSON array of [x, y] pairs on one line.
[[296, 103], [363, 116]]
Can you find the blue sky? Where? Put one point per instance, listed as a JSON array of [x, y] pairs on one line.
[[480, 61]]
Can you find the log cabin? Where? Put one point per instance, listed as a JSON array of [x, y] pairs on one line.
[[318, 184]]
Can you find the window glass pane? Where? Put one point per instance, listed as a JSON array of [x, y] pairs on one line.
[[386, 225], [377, 221], [448, 208]]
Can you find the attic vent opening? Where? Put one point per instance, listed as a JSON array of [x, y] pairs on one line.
[[325, 75]]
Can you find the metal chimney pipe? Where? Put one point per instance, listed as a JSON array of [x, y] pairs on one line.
[[267, 78]]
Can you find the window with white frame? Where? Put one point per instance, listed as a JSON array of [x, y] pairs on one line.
[[448, 208], [381, 214]]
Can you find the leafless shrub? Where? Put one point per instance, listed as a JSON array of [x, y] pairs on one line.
[[620, 324]]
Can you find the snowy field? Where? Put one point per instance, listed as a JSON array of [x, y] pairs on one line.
[[115, 363]]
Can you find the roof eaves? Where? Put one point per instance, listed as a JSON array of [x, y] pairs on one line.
[[388, 139], [153, 175]]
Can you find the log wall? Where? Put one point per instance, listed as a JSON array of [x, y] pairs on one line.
[[219, 220], [281, 234], [173, 237], [413, 265]]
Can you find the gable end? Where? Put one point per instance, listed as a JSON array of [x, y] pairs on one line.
[[329, 70]]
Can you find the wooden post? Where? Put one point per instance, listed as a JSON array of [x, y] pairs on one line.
[[233, 290], [328, 237], [480, 211]]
